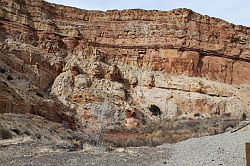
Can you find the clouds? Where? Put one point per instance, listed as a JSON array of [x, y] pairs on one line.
[[235, 11]]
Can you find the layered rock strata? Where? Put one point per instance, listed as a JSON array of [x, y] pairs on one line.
[[107, 68]]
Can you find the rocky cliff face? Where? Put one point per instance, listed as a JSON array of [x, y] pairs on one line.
[[104, 69]]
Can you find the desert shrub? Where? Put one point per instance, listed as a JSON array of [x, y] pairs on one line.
[[192, 123], [9, 77], [2, 70], [39, 94], [237, 40], [226, 114], [137, 142], [27, 132], [244, 116], [155, 110], [217, 112], [197, 114], [231, 125], [109, 148], [38, 136], [234, 40], [5, 133], [17, 131], [144, 120]]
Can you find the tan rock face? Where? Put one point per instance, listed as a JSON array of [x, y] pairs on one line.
[[101, 64]]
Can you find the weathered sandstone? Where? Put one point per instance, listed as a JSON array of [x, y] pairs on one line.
[[91, 67]]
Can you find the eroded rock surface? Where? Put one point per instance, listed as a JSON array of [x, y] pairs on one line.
[[90, 68]]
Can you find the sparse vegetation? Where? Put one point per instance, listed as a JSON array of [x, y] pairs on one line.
[[170, 131], [39, 94], [5, 133], [226, 114], [17, 131], [9, 77], [155, 110], [197, 114], [244, 116], [237, 40], [2, 70]]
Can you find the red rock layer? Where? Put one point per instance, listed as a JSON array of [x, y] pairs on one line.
[[178, 41]]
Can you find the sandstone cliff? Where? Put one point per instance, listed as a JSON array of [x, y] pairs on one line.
[[107, 68]]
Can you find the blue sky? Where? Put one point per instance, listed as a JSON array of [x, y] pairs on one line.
[[234, 11]]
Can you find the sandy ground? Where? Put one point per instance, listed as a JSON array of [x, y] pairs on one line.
[[226, 149]]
